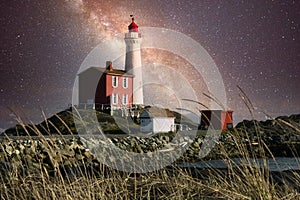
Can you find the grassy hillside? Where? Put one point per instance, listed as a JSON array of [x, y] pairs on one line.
[[63, 123]]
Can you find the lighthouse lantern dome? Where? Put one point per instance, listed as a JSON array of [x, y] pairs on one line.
[[133, 27]]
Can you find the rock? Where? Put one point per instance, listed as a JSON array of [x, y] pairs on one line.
[[79, 157], [195, 145], [16, 152], [87, 154], [8, 149], [68, 152]]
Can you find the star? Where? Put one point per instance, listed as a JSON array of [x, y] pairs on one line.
[[253, 43]]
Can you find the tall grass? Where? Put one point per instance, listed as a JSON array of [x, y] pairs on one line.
[[83, 181]]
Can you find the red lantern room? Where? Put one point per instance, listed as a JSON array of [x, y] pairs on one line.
[[133, 27]]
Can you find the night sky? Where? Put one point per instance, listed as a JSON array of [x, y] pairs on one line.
[[254, 43]]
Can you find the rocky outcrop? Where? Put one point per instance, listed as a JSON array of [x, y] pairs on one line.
[[281, 137], [277, 131], [50, 154]]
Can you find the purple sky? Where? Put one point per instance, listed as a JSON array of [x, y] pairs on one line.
[[255, 44]]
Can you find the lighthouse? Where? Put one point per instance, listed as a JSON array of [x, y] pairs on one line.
[[133, 62]]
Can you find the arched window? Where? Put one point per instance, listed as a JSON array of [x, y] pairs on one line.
[[125, 82], [115, 81], [125, 99], [114, 99]]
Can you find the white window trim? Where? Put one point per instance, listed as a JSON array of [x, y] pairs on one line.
[[125, 99], [126, 81], [112, 81], [113, 98]]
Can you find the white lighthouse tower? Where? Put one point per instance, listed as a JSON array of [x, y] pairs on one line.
[[133, 62]]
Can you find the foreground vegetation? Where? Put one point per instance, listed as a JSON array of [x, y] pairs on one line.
[[52, 172]]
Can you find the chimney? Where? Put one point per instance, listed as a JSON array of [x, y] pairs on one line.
[[109, 65]]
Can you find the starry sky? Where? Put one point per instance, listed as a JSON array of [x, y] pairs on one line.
[[255, 45]]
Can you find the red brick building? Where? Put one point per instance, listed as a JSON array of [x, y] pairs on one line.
[[114, 88]]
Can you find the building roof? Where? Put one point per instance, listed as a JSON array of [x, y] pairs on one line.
[[154, 112], [115, 72], [215, 110], [107, 71]]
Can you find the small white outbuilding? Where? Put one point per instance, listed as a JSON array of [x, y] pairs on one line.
[[157, 120]]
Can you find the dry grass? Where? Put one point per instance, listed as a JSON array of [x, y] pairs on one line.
[[237, 182]]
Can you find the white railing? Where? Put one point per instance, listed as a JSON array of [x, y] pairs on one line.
[[181, 127]]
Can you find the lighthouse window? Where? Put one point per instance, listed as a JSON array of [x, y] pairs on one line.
[[125, 82], [114, 98], [115, 81], [125, 99]]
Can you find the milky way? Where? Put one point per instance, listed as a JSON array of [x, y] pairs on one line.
[[255, 44]]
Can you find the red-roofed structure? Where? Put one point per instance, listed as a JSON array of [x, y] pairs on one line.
[[133, 27], [216, 119]]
